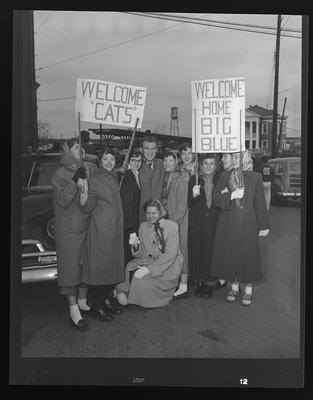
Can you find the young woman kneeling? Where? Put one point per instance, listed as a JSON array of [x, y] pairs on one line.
[[157, 263]]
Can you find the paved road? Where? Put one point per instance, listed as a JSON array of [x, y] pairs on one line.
[[193, 327]]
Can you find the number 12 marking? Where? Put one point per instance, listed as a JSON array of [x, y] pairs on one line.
[[244, 381]]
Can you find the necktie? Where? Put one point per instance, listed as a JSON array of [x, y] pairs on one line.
[[137, 178]]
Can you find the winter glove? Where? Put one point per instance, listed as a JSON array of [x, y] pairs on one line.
[[80, 173]]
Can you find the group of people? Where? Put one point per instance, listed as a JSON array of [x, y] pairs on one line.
[[145, 235]]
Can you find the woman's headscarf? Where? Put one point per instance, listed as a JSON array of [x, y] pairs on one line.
[[159, 231], [236, 176], [68, 159]]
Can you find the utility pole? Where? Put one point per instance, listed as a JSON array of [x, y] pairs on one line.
[[281, 125], [274, 127]]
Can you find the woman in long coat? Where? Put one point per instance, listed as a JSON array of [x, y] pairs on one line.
[[202, 224], [70, 229], [242, 219], [157, 262], [104, 253], [175, 200]]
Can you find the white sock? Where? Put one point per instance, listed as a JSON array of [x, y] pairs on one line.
[[248, 290], [82, 304], [75, 313], [235, 286], [221, 281], [182, 289]]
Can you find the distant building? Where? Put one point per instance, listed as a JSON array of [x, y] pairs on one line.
[[293, 144], [259, 126]]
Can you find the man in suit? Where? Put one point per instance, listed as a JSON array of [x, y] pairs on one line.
[[151, 174]]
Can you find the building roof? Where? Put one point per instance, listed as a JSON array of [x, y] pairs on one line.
[[263, 112]]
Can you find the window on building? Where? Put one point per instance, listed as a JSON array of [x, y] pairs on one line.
[[247, 144], [265, 127], [253, 127], [253, 144], [264, 144]]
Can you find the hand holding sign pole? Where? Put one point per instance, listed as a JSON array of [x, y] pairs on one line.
[[80, 149], [128, 152]]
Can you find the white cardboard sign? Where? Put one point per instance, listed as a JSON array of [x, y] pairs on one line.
[[218, 115], [109, 103]]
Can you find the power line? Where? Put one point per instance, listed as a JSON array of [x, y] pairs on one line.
[[292, 68], [210, 24], [224, 22], [291, 62], [43, 22], [107, 48]]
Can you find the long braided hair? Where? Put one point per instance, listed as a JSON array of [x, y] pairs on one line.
[[159, 231]]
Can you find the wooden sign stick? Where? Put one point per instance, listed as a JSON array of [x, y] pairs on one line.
[[128, 152]]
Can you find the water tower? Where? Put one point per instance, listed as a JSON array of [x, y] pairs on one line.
[[174, 121]]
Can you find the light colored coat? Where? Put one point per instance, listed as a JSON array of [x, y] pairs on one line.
[[177, 209], [104, 251], [155, 289], [70, 225]]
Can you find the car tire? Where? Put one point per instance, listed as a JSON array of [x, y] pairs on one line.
[[50, 228]]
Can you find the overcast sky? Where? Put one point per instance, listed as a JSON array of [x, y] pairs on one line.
[[165, 63]]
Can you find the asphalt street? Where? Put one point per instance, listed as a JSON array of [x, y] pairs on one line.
[[186, 328]]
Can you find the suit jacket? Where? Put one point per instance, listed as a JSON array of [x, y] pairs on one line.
[[151, 181]]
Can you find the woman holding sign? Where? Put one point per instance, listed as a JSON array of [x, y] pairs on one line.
[[242, 219], [202, 223], [104, 252]]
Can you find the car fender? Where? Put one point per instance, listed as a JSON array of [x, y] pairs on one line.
[[37, 205]]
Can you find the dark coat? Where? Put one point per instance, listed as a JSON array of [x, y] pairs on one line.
[[70, 226], [151, 181], [236, 247], [130, 196], [104, 255], [201, 230]]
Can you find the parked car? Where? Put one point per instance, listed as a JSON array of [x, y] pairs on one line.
[[287, 180], [38, 246]]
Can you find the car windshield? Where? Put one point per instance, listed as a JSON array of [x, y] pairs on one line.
[[41, 173], [295, 167]]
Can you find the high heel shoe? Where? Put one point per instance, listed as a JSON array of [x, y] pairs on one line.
[[207, 291], [199, 289], [109, 305], [98, 312]]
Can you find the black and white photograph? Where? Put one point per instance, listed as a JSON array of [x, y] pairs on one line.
[[158, 227]]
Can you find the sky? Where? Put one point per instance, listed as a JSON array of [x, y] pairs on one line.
[[163, 56]]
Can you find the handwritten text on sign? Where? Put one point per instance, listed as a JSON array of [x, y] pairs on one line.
[[110, 103], [218, 115]]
